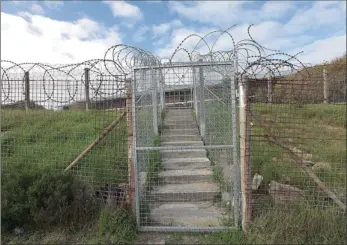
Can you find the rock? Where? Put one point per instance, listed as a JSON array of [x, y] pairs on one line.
[[18, 231], [306, 163], [226, 198], [319, 166], [143, 180], [257, 179], [281, 193], [157, 241], [285, 178]]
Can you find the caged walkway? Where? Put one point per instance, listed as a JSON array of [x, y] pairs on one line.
[[188, 193]]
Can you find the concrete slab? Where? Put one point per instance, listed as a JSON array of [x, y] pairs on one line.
[[183, 153], [203, 191], [180, 131], [172, 138], [184, 143], [185, 163], [186, 176], [187, 214], [185, 125]]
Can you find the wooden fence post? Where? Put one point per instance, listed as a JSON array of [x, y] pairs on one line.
[[86, 86], [269, 90], [129, 111], [325, 87], [245, 154], [26, 91]]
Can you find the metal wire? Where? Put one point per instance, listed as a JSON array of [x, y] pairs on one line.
[[186, 127]]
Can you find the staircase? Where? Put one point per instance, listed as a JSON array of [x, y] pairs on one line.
[[187, 195]]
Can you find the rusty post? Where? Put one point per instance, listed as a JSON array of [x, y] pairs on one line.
[[26, 91], [245, 154], [325, 87], [129, 111]]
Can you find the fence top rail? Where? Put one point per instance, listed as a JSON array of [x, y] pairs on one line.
[[183, 64]]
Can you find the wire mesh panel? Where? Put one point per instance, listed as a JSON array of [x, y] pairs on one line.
[[65, 118], [184, 159], [298, 146]]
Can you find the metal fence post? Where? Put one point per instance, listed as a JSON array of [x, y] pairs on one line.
[[129, 111], [325, 87], [162, 90], [236, 179], [26, 91], [202, 101], [154, 103], [86, 86], [245, 154], [195, 96]]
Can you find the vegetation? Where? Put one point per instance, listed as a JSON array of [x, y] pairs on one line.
[[40, 202], [51, 139], [154, 165]]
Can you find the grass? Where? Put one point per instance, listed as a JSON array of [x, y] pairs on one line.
[[319, 130], [42, 139], [47, 138], [153, 165], [52, 139]]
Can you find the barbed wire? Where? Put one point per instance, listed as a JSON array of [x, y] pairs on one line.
[[119, 62]]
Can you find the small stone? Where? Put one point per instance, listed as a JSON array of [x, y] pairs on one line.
[[274, 159], [281, 193], [319, 166], [18, 231], [257, 179], [157, 241]]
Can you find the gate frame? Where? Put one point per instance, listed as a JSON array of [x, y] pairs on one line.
[[135, 148]]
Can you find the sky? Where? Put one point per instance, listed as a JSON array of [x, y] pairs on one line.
[[61, 32]]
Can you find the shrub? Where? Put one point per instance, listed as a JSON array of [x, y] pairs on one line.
[[41, 199]]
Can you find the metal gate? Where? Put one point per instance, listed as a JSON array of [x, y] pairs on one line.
[[187, 175]]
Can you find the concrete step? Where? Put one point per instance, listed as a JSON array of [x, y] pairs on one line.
[[183, 153], [184, 125], [172, 138], [179, 114], [183, 143], [180, 131], [186, 176], [202, 191], [179, 120], [186, 163], [201, 214]]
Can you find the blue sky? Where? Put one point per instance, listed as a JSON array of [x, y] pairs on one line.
[[72, 31]]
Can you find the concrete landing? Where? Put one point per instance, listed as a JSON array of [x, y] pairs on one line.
[[187, 214], [204, 191]]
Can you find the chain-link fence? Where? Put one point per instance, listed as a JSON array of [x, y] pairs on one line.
[[298, 142], [65, 118], [209, 143]]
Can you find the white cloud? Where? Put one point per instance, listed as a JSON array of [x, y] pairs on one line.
[[323, 50], [43, 39], [52, 4], [224, 13], [161, 29], [37, 9], [124, 9], [140, 34], [319, 15], [164, 28]]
